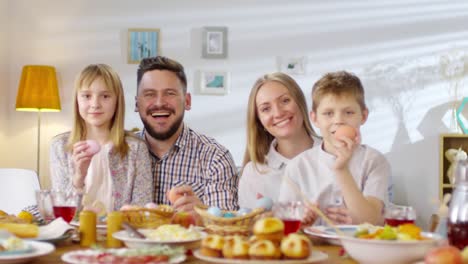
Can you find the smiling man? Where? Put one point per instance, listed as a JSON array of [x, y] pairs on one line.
[[199, 168]]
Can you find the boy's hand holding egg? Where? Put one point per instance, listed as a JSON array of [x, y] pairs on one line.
[[345, 131]]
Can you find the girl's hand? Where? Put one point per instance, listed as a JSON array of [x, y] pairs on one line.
[[309, 216], [81, 161], [339, 215]]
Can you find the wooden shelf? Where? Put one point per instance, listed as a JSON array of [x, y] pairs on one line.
[[449, 141]]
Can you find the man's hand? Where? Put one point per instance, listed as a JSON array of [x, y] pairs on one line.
[[187, 200]]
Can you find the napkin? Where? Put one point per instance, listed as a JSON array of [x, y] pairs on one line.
[[54, 229]]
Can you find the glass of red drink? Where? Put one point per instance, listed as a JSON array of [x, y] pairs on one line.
[[396, 215], [291, 213], [64, 204]]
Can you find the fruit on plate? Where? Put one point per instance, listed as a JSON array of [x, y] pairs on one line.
[[345, 131], [184, 219], [21, 230], [444, 255], [26, 216]]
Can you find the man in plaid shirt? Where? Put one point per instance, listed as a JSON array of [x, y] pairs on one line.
[[199, 168]]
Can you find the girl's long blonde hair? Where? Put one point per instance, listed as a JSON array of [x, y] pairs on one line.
[[258, 138], [117, 133]]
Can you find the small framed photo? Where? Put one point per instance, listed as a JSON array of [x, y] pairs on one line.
[[214, 44], [292, 65], [214, 82], [142, 43]]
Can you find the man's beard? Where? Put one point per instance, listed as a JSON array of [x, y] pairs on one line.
[[163, 135]]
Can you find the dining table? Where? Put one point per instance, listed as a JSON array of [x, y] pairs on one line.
[[332, 251]]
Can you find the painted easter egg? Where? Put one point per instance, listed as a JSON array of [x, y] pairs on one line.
[[243, 211], [345, 131], [229, 215], [93, 146], [265, 202], [215, 211]]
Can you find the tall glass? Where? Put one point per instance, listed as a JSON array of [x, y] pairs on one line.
[[396, 215], [64, 204], [45, 205], [291, 213]]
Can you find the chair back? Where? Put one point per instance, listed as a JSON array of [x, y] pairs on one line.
[[17, 189]]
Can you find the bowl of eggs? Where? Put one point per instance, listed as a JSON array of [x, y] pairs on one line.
[[226, 223]]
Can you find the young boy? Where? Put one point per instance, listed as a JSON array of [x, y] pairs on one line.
[[347, 180]]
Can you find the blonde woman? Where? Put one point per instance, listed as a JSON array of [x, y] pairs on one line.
[[120, 172], [278, 129]]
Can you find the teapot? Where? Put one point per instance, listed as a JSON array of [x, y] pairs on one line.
[[457, 225]]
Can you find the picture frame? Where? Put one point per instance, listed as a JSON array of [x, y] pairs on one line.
[[292, 65], [214, 82], [214, 42], [142, 43]]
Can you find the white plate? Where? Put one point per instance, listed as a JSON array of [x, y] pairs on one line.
[[316, 256], [71, 257], [328, 234], [98, 226], [134, 242], [40, 249], [53, 240]]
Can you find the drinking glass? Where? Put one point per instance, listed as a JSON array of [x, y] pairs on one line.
[[396, 215], [64, 204], [44, 205], [291, 213]]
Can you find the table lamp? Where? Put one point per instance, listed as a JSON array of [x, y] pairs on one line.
[[38, 92]]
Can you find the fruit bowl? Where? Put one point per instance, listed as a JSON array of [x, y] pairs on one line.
[[373, 251]]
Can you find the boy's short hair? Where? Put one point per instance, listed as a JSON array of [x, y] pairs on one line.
[[340, 83]]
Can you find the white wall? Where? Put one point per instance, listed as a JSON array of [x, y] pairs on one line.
[[4, 77], [395, 46]]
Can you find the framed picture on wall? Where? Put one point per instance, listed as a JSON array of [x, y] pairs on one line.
[[292, 65], [214, 42], [214, 82], [142, 43]]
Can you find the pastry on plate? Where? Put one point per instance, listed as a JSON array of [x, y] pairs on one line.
[[265, 250], [296, 246], [212, 246], [235, 247], [269, 228]]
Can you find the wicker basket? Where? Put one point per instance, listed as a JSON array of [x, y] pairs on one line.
[[239, 225], [149, 218]]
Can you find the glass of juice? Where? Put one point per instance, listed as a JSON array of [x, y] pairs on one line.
[[396, 215], [291, 213], [64, 204]]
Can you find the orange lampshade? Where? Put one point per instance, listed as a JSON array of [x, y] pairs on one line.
[[38, 90]]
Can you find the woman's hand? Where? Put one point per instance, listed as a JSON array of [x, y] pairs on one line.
[[309, 216], [339, 215]]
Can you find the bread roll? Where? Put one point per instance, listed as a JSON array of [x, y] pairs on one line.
[[21, 230]]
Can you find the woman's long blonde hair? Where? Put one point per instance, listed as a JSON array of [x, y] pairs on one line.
[[117, 133], [258, 138]]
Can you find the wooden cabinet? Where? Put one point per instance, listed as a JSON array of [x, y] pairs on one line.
[[449, 141]]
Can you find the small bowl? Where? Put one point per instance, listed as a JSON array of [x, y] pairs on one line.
[[372, 251]]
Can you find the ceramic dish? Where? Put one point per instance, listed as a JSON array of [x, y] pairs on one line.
[[316, 256], [328, 234], [53, 240], [134, 242], [83, 256], [98, 226], [38, 249], [374, 251]]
